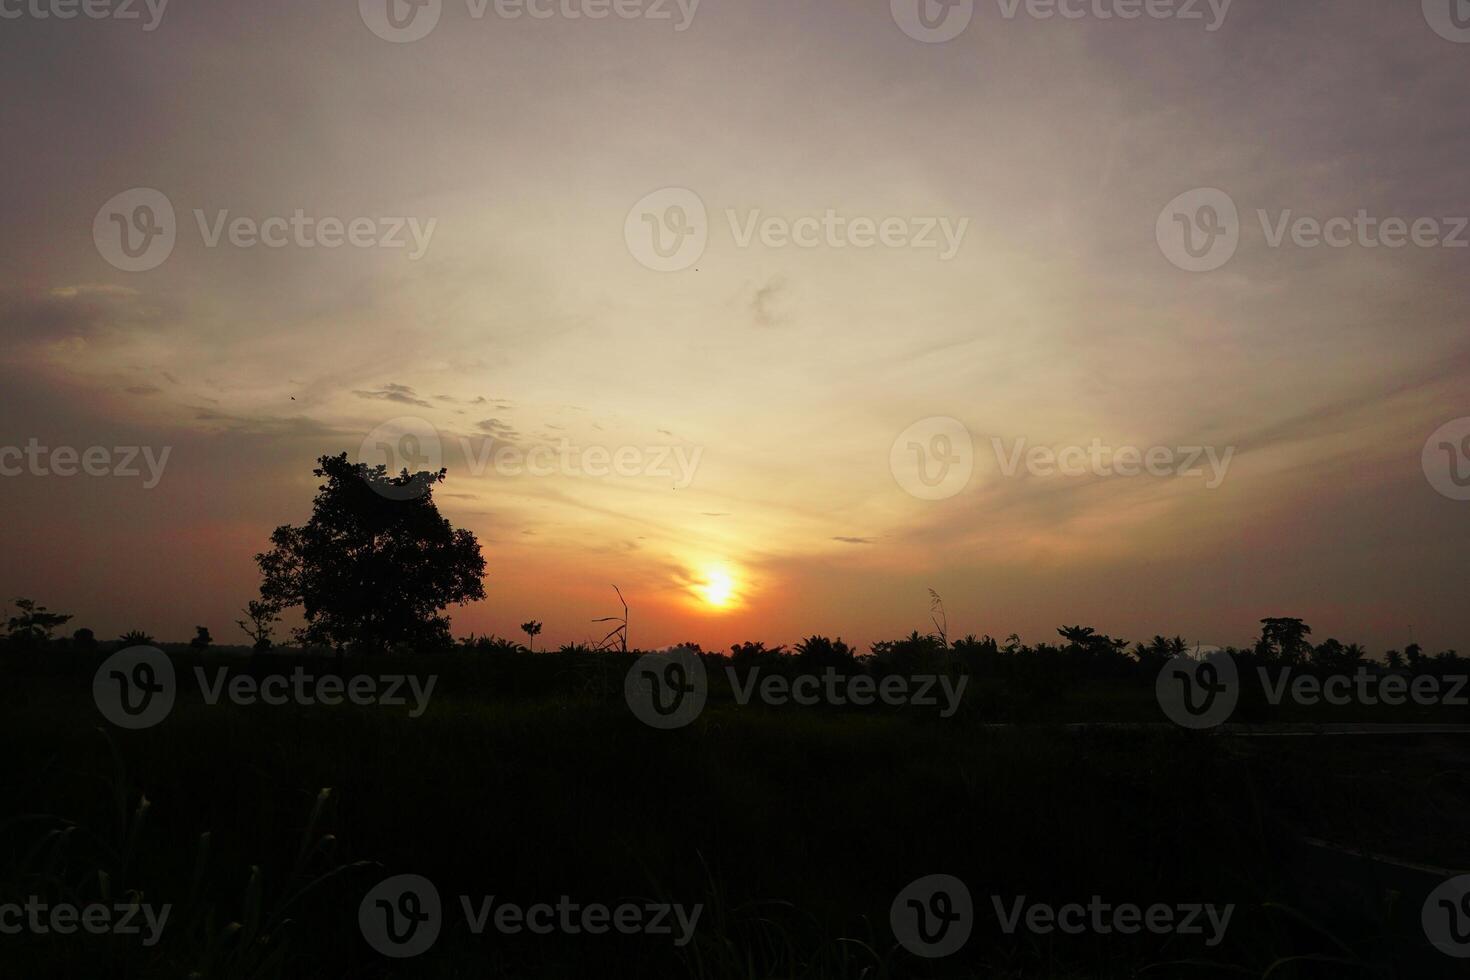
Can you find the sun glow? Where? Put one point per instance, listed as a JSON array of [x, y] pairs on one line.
[[717, 589]]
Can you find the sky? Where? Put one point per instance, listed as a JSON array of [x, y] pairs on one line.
[[775, 315]]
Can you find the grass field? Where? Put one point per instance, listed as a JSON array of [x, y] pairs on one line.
[[528, 779]]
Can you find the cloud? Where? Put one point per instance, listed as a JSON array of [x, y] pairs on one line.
[[293, 427], [497, 428], [43, 316], [764, 298], [847, 540], [394, 393]]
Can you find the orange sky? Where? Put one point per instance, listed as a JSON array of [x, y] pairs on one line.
[[756, 394]]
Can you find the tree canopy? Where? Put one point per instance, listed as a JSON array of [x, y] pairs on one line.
[[376, 564]]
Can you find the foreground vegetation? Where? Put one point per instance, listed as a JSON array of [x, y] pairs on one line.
[[529, 778]]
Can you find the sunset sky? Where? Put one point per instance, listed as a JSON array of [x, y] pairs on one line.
[[783, 374]]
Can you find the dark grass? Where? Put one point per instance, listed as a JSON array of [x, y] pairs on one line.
[[795, 828]]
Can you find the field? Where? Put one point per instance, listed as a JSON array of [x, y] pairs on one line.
[[528, 778]]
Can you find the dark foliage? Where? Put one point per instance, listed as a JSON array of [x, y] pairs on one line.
[[376, 565]]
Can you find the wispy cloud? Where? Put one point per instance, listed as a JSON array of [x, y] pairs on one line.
[[394, 393]]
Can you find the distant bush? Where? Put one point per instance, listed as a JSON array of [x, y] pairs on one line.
[[490, 644]]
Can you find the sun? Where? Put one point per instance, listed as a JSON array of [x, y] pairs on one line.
[[717, 589]]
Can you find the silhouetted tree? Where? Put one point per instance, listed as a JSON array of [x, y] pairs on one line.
[[1283, 638], [202, 639], [84, 639], [136, 638], [819, 653], [1414, 654], [1078, 635], [34, 625], [1158, 651], [1333, 655], [913, 652], [1089, 652], [753, 654], [531, 629], [260, 618], [376, 564], [980, 656]]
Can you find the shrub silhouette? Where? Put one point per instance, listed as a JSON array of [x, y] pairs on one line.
[[755, 654], [1159, 651], [491, 644], [376, 564], [34, 625], [914, 652], [819, 653]]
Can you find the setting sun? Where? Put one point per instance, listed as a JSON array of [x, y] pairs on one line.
[[717, 589]]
